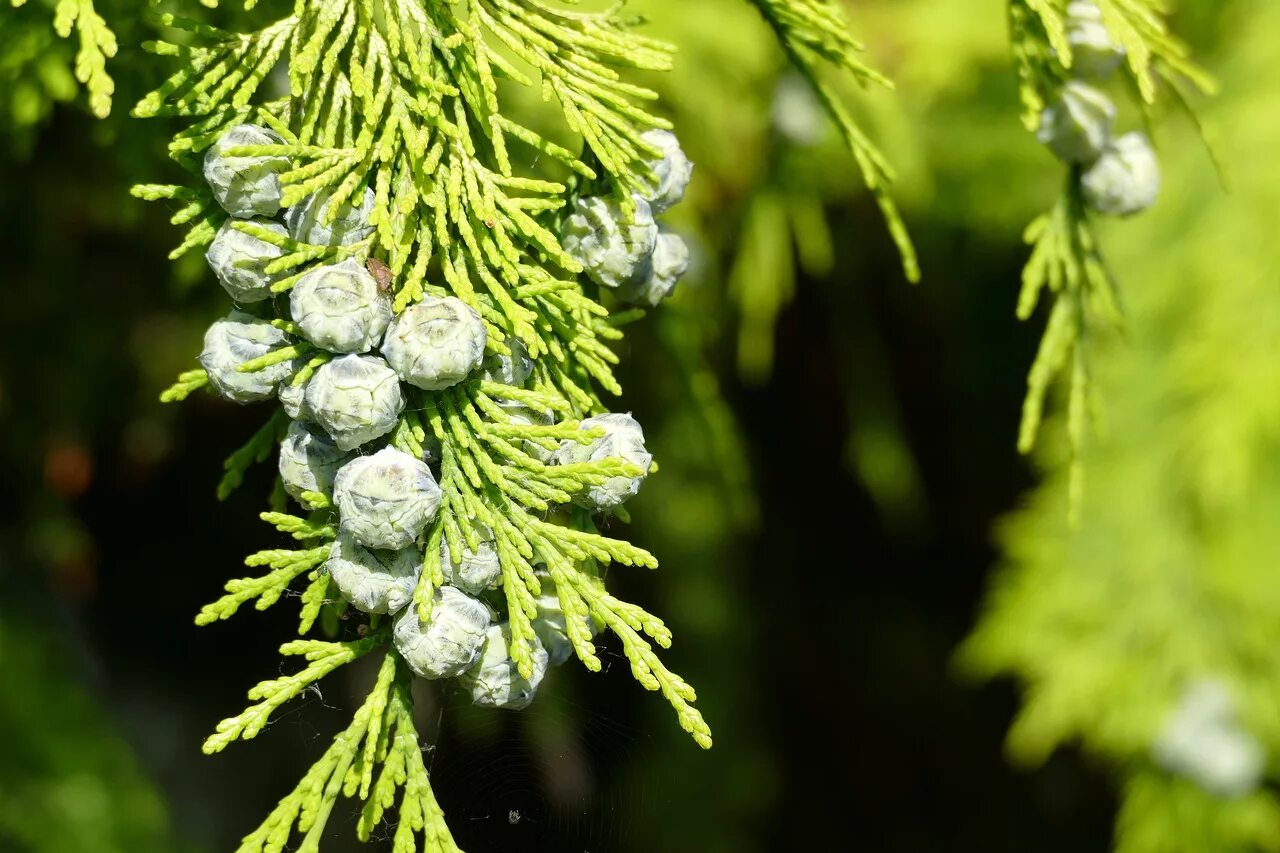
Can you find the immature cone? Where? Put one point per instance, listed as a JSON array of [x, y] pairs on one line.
[[623, 439], [495, 682], [613, 251], [669, 262], [385, 500], [476, 570], [551, 626], [245, 186], [672, 171], [1203, 741], [514, 369], [356, 398], [1077, 125], [339, 307], [234, 340], [436, 343], [1126, 178], [309, 460], [239, 260], [449, 643], [313, 220], [374, 581], [1093, 54]]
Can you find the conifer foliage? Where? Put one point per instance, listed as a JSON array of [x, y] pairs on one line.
[[1070, 58], [33, 74], [1145, 633], [424, 285]]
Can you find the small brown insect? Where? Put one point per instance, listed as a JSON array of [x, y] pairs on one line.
[[381, 273]]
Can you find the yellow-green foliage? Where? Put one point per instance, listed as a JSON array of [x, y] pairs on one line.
[[35, 72], [1066, 267], [408, 100], [1170, 575], [46, 76]]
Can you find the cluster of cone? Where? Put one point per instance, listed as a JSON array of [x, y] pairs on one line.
[[1120, 174], [344, 411], [635, 256]]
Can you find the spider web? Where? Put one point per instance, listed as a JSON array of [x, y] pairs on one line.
[[553, 777]]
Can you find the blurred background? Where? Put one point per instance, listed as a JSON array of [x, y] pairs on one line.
[[837, 449]]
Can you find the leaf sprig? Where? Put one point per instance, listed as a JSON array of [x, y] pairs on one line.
[[1066, 260], [814, 33], [403, 99], [97, 45]]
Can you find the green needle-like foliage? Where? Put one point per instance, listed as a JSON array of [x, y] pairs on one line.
[[97, 44], [406, 99], [1066, 258], [286, 567], [814, 33], [382, 734], [1168, 579], [1153, 54], [41, 64], [256, 450], [1066, 261]]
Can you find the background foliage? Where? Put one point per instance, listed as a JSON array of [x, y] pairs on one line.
[[835, 447]]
